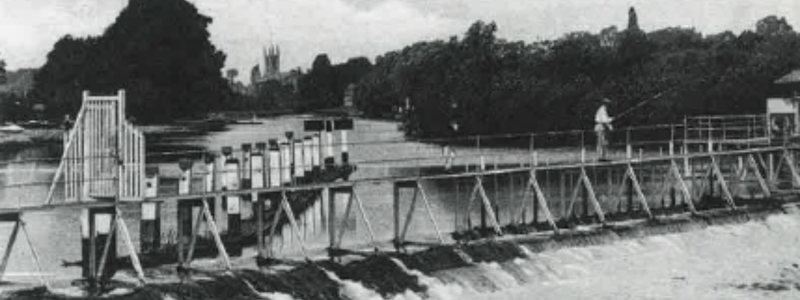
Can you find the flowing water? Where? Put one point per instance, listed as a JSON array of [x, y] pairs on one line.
[[755, 260], [56, 234]]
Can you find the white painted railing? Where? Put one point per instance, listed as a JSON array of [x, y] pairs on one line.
[[103, 154]]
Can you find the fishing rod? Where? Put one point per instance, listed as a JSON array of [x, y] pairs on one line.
[[640, 104]]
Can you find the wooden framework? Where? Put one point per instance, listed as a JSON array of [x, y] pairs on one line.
[[702, 173], [19, 224]]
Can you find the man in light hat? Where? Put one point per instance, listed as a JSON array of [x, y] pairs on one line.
[[603, 127]]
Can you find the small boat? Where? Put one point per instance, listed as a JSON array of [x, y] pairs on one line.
[[11, 128]]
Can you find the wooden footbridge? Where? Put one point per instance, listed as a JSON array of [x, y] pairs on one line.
[[292, 183]]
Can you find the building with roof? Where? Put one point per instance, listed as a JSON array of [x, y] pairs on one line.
[[783, 108], [269, 69]]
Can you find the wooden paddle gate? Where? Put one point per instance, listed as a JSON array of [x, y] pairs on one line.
[[103, 154]]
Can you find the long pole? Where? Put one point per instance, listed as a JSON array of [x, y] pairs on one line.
[[640, 104]]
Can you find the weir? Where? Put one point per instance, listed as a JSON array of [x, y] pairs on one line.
[[277, 193]]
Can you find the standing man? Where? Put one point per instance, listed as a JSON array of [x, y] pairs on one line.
[[449, 151], [602, 127]]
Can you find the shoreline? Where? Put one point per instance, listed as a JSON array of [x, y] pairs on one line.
[[30, 137]]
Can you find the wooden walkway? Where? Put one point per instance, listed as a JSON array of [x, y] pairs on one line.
[[287, 182]]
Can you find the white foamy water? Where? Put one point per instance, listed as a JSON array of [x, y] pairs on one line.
[[756, 260]]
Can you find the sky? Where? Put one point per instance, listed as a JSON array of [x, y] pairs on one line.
[[349, 28]]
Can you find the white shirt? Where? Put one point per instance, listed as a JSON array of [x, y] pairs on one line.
[[602, 119]]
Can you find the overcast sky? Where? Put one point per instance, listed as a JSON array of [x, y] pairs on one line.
[[347, 28]]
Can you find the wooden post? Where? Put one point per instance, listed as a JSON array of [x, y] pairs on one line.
[[637, 188], [483, 208], [9, 248], [210, 182], [137, 266], [562, 186], [427, 208], [628, 146], [345, 150], [409, 215], [297, 162], [246, 176], [486, 203], [103, 221], [257, 167], [345, 218], [328, 196], [258, 208], [629, 189], [286, 163], [585, 196], [771, 174], [344, 125], [329, 158], [185, 181], [150, 227], [535, 205], [259, 181], [711, 181], [184, 209], [316, 153], [34, 254], [270, 201], [151, 182], [533, 183], [396, 213], [274, 164], [86, 244], [91, 263], [308, 159], [215, 234], [230, 182]]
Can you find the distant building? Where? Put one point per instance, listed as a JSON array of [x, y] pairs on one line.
[[269, 69], [783, 107], [788, 85]]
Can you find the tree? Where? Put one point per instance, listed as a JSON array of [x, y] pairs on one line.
[[159, 51], [495, 86], [324, 85], [3, 78], [59, 82], [773, 26], [231, 75], [317, 87]]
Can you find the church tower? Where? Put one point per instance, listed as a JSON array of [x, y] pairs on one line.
[[272, 63]]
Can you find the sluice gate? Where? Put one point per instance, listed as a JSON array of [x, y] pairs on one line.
[[284, 192]]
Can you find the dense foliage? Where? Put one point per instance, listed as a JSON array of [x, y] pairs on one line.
[[324, 85], [3, 78], [157, 50], [490, 85]]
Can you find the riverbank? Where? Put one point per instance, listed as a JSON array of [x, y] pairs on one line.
[[30, 137]]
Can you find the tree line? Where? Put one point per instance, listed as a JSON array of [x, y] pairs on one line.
[[157, 50], [491, 85], [322, 87]]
